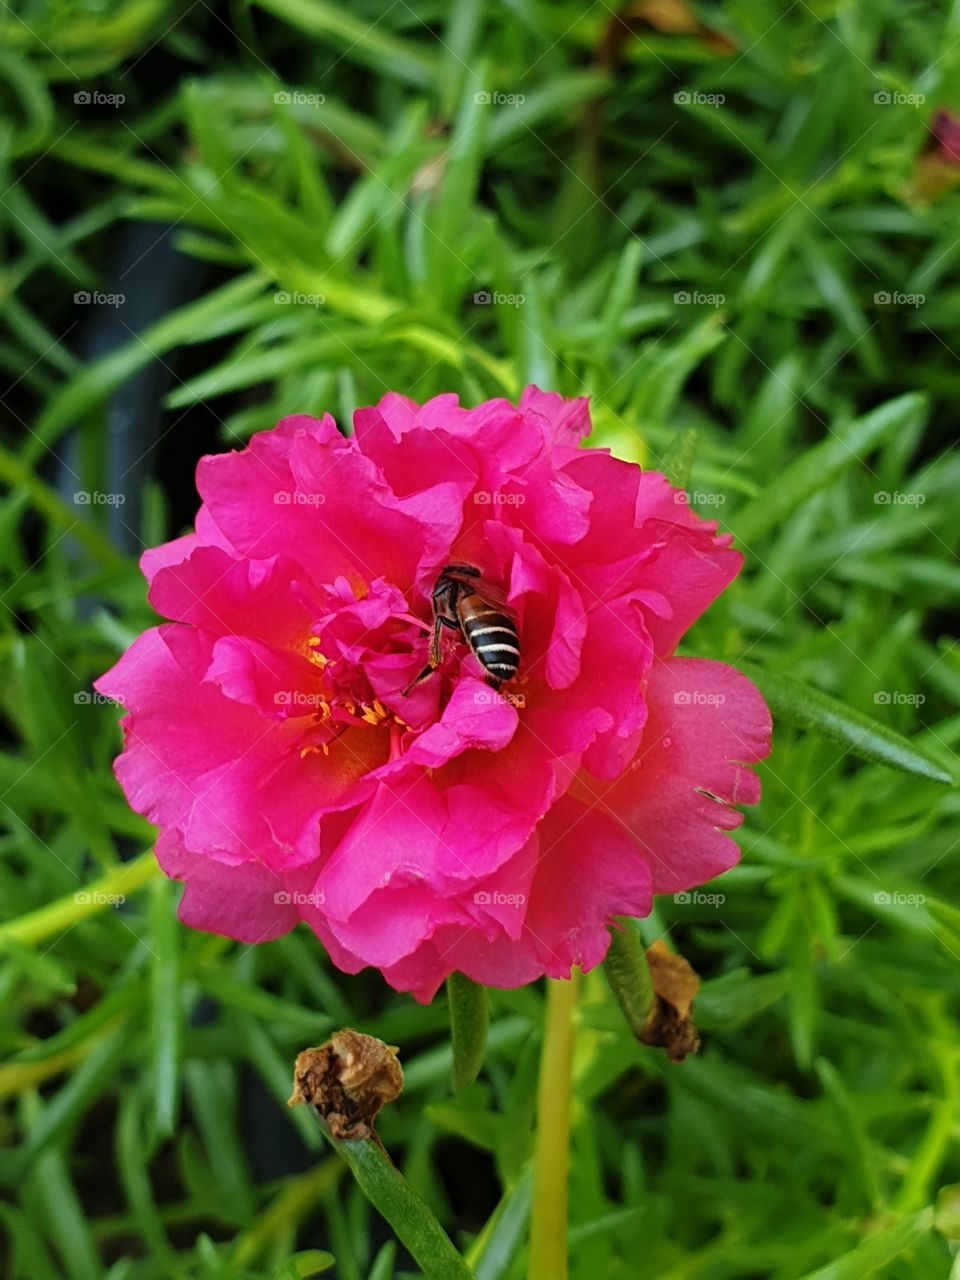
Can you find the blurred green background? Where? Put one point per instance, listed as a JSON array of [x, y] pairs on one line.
[[737, 227]]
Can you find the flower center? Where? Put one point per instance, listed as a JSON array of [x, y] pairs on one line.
[[345, 701]]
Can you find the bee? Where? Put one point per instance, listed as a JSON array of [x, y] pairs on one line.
[[464, 603]]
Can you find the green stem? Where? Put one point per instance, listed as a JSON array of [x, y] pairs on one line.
[[548, 1230], [921, 1178], [411, 1218], [57, 917], [469, 1018]]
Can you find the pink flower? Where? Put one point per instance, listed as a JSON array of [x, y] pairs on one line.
[[270, 736]]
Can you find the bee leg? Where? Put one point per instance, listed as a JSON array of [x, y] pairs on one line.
[[434, 662], [440, 621], [439, 624], [493, 681], [435, 642], [428, 670]]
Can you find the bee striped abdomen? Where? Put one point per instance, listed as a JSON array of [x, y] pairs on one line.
[[492, 636]]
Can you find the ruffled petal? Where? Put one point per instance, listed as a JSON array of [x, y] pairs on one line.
[[706, 725]]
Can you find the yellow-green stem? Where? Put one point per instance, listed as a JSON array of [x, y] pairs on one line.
[[96, 896], [548, 1228]]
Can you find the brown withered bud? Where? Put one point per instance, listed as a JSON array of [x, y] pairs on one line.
[[348, 1080], [670, 1024]]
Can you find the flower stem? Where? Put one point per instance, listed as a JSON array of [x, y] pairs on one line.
[[469, 1017], [548, 1231], [411, 1218], [57, 917]]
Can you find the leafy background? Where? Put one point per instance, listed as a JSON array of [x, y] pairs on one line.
[[146, 1067]]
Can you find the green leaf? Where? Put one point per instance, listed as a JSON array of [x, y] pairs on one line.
[[628, 974], [95, 1076], [166, 1010], [358, 38], [677, 458], [807, 708], [469, 1019], [813, 469], [411, 1218], [877, 1250], [311, 1262], [382, 1268], [498, 1244], [61, 1207]]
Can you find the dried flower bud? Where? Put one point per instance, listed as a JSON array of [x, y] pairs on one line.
[[347, 1080], [670, 1025]]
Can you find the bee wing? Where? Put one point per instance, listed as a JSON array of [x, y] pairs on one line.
[[481, 587], [495, 596]]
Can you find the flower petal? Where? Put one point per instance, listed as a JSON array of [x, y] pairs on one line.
[[246, 902], [707, 723]]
